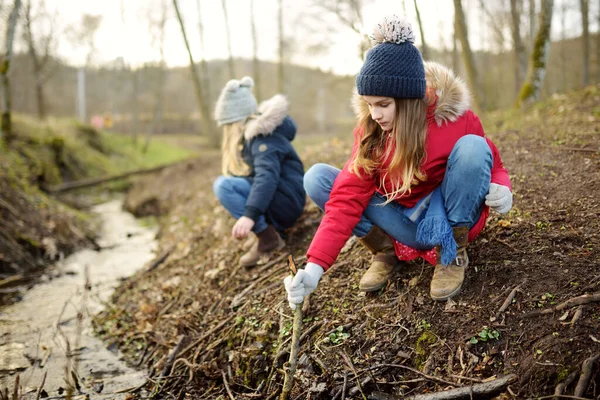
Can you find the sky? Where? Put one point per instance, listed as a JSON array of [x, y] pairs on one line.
[[124, 31]]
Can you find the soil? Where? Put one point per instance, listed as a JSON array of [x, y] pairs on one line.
[[233, 325]]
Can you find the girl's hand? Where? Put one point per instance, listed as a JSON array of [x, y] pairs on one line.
[[499, 198], [301, 285], [242, 227]]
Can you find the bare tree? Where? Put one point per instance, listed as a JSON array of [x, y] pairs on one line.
[[536, 70], [6, 131], [202, 104], [203, 64], [349, 13], [39, 58], [584, 5], [532, 24], [520, 56], [281, 87], [158, 36], [497, 22], [598, 45], [425, 50], [467, 55], [255, 62], [228, 33]]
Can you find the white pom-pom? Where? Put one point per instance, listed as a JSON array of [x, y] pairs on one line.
[[247, 82], [233, 85], [392, 29]]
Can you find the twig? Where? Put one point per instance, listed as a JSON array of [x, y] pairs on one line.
[[207, 334], [560, 388], [575, 301], [344, 387], [296, 333], [167, 368], [227, 385], [586, 373], [429, 377], [160, 259], [39, 392], [465, 392], [279, 340], [509, 299]]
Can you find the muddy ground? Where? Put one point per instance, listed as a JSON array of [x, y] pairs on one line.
[[205, 328]]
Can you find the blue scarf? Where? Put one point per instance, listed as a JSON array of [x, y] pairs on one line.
[[435, 229]]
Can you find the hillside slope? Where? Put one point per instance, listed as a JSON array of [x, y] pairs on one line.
[[234, 324]]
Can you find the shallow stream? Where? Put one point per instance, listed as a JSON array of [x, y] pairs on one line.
[[36, 332]]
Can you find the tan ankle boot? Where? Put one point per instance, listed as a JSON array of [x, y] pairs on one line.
[[383, 263], [268, 242], [448, 279]]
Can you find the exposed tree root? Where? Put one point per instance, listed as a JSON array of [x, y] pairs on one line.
[[575, 301]]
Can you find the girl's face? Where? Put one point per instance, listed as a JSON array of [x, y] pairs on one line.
[[383, 111]]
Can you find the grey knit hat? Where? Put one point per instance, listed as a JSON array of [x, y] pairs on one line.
[[236, 101], [394, 66]]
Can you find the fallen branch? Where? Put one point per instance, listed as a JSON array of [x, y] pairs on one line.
[[288, 381], [576, 301], [465, 392], [586, 373], [509, 299], [207, 334], [39, 391]]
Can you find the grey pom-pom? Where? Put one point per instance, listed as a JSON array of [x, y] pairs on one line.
[[392, 29], [233, 85], [247, 82]]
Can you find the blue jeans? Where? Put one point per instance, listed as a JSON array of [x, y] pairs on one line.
[[464, 187], [232, 193]]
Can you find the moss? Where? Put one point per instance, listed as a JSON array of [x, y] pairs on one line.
[[422, 348], [562, 375]]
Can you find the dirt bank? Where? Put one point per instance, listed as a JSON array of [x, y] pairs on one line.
[[233, 325]]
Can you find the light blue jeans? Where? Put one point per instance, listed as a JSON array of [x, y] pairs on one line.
[[232, 193], [464, 187]]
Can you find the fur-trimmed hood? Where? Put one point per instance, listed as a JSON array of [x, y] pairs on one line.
[[271, 114], [453, 97]]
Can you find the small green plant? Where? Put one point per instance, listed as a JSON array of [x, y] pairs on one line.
[[338, 336], [485, 335], [286, 330], [424, 325]]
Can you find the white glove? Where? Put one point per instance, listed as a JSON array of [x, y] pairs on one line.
[[301, 285], [499, 198]]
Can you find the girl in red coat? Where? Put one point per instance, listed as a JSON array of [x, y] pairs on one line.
[[422, 174]]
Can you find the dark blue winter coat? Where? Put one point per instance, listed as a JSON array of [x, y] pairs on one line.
[[276, 170]]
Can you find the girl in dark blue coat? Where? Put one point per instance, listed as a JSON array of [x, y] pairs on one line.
[[261, 185]]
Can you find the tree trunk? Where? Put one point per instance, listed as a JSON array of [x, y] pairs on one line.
[[532, 26], [467, 56], [585, 6], [6, 131], [598, 45], [255, 62], [536, 70], [158, 98], [135, 122], [520, 57], [281, 87], [225, 16], [455, 65], [203, 65], [425, 51], [203, 106], [36, 63]]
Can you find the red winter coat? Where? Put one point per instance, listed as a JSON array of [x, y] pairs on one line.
[[449, 119]]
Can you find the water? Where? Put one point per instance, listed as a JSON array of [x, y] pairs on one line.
[[37, 329]]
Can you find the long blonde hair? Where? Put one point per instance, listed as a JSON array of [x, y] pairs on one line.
[[232, 162], [407, 137]]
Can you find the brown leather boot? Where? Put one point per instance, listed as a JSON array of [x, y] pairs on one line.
[[268, 242], [383, 263], [448, 279]]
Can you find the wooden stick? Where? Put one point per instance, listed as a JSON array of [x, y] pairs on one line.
[[227, 385], [586, 373], [39, 392], [429, 377], [509, 299], [575, 301], [465, 392], [207, 334], [288, 381], [167, 368]]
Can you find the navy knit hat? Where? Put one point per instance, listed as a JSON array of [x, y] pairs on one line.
[[236, 101], [394, 66]]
